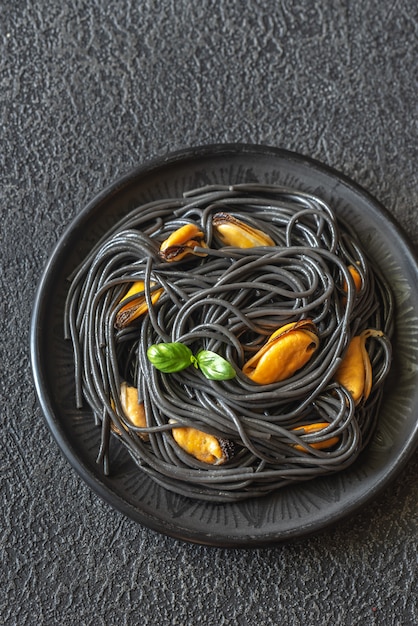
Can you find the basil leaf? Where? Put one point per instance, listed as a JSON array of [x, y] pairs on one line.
[[213, 366], [170, 357]]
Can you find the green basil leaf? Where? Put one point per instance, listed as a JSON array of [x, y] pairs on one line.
[[170, 357], [194, 362], [214, 367]]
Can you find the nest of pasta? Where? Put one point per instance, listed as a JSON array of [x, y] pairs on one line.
[[235, 340]]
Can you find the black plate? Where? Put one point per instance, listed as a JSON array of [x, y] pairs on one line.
[[291, 512]]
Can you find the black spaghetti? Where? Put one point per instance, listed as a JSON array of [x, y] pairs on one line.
[[235, 340]]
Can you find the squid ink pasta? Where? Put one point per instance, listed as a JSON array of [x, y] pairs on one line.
[[235, 340]]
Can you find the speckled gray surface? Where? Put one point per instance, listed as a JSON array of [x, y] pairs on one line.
[[91, 89]]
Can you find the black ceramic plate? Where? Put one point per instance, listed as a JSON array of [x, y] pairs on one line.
[[291, 512]]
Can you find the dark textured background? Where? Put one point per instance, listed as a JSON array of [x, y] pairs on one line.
[[87, 92]]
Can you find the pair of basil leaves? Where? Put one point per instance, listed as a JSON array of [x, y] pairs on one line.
[[176, 356]]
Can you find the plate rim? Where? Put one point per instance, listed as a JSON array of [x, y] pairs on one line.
[[56, 429]]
